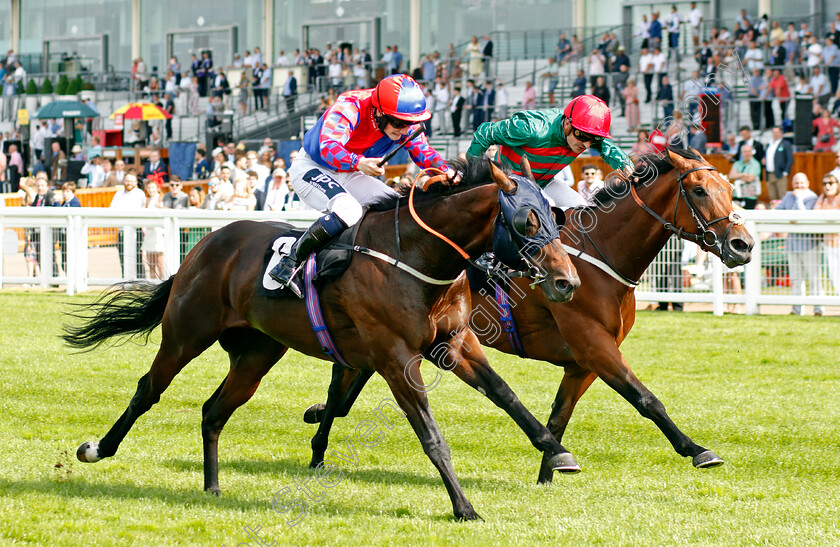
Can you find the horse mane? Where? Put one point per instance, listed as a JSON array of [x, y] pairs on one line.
[[648, 168], [474, 172]]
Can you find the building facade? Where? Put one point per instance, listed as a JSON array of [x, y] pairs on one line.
[[108, 34]]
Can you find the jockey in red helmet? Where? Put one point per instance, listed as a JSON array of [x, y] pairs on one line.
[[334, 171], [551, 139]]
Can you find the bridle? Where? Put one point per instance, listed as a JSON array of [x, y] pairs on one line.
[[536, 273], [706, 237]]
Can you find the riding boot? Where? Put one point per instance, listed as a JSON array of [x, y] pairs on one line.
[[316, 237]]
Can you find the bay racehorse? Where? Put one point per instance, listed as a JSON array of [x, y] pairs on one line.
[[675, 193], [380, 317]]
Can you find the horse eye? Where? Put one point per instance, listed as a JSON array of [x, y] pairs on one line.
[[699, 191]]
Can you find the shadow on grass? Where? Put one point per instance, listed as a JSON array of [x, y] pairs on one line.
[[75, 490], [89, 490], [293, 468]]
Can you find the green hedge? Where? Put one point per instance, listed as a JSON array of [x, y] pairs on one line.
[[63, 84]]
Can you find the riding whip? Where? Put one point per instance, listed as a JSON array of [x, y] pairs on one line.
[[390, 154]]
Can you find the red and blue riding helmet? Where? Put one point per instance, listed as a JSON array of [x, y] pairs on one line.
[[400, 97]]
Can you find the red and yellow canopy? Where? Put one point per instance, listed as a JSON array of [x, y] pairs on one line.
[[142, 111]]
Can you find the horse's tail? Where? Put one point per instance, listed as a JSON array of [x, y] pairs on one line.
[[132, 308]]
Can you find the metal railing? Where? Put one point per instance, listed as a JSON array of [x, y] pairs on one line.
[[103, 246], [85, 247]]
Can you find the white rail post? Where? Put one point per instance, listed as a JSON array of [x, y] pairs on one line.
[[47, 253], [71, 247], [2, 253], [172, 239], [81, 271], [752, 273], [130, 252], [717, 286]]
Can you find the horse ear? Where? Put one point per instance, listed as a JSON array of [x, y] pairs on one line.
[[525, 166], [559, 216], [679, 162], [501, 179]]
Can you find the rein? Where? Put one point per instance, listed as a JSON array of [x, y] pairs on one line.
[[417, 218], [701, 238], [706, 237], [491, 271]]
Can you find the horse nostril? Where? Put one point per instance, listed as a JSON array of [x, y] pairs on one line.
[[565, 286], [740, 246]]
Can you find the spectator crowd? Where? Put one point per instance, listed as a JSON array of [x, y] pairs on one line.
[[781, 61]]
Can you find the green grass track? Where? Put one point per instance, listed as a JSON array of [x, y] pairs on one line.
[[762, 392]]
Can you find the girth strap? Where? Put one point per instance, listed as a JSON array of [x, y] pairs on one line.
[[401, 265], [316, 318], [506, 318]]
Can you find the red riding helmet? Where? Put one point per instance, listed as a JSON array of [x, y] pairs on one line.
[[589, 114], [400, 97]]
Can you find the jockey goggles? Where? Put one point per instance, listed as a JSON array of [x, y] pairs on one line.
[[585, 137], [397, 123]]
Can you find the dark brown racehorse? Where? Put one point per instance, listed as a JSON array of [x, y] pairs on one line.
[[380, 317], [626, 232]]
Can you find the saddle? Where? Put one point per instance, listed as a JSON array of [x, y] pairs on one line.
[[332, 261]]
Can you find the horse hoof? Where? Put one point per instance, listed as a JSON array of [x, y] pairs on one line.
[[564, 463], [214, 491], [88, 452], [468, 515], [706, 459], [312, 415]]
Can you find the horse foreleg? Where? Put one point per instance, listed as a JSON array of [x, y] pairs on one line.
[[340, 398], [604, 358], [647, 404], [415, 404], [250, 360], [574, 384], [464, 356]]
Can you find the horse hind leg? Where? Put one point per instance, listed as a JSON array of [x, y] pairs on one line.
[[171, 358], [345, 387], [252, 354], [352, 383]]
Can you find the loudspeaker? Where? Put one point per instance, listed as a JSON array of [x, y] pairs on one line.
[[710, 115], [7, 144], [62, 144], [227, 123], [803, 121], [74, 171], [214, 139]]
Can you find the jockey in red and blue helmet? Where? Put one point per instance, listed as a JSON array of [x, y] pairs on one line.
[[336, 168]]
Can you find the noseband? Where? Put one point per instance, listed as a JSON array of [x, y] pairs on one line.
[[706, 237]]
